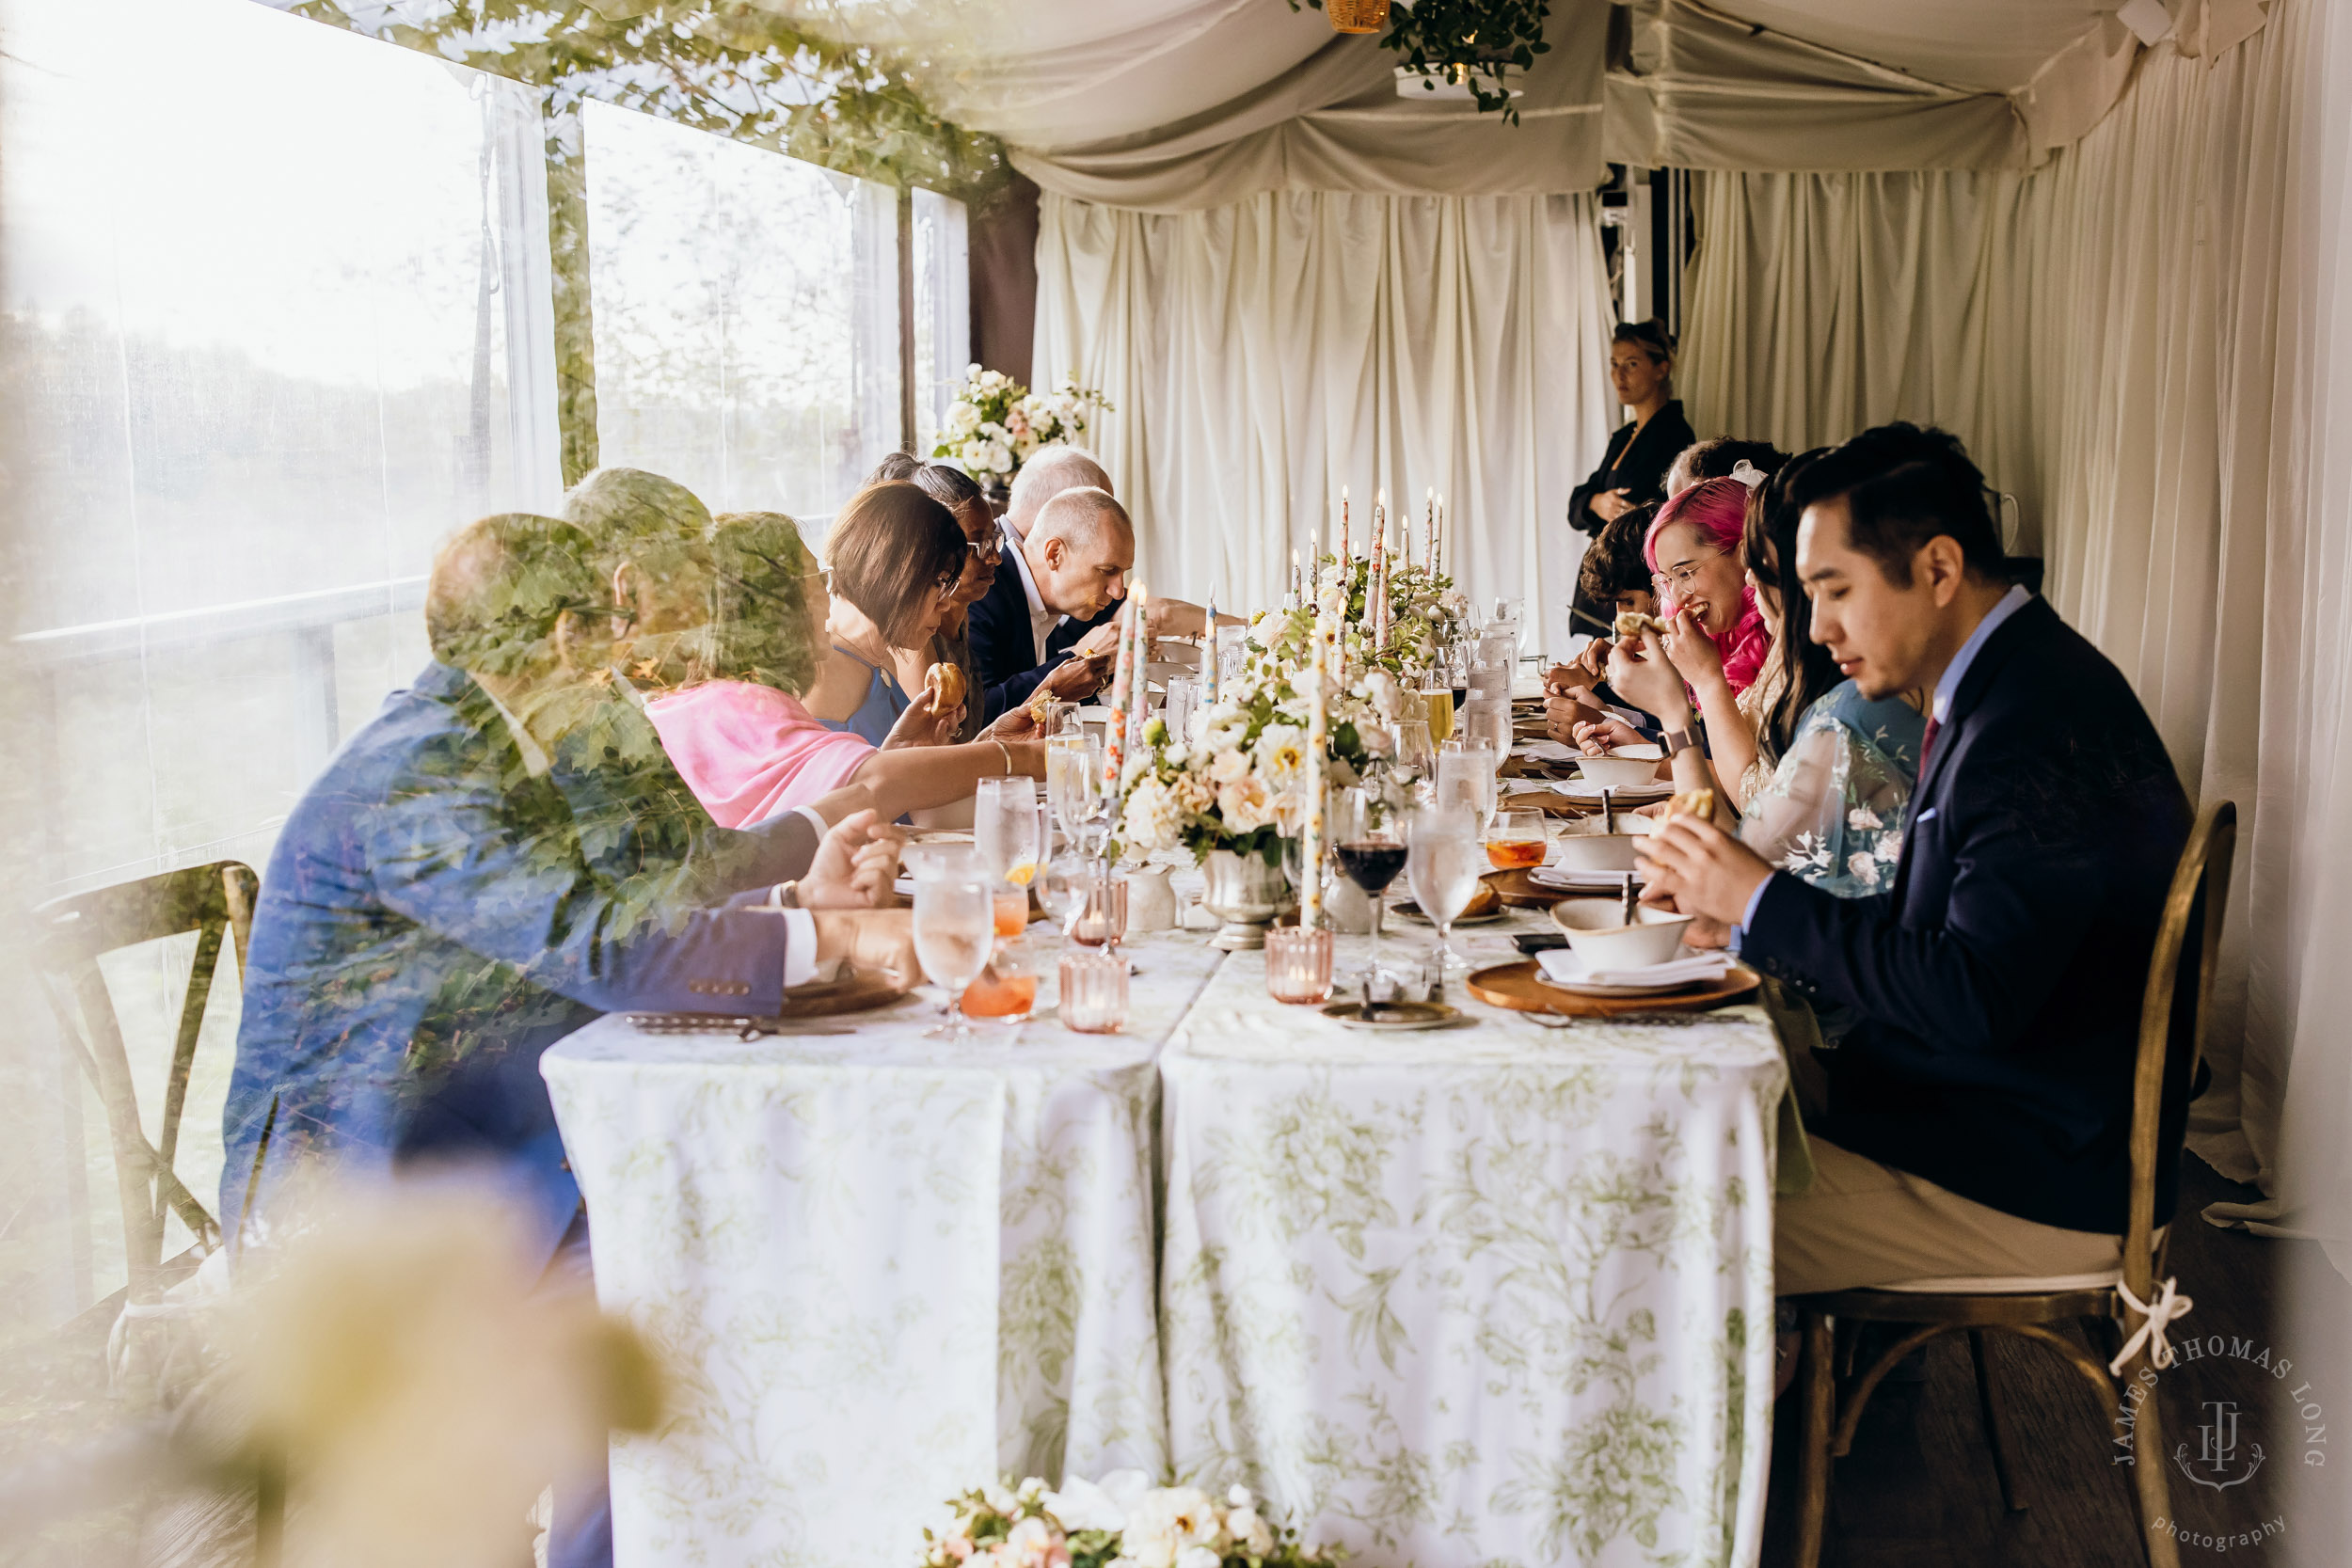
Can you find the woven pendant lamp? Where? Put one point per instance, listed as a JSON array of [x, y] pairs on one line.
[[1356, 16]]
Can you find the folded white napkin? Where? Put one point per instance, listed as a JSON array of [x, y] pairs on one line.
[[1545, 751], [1568, 967]]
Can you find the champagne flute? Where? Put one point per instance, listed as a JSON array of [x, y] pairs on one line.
[[955, 932], [1414, 753], [1074, 779], [1441, 867], [1364, 844]]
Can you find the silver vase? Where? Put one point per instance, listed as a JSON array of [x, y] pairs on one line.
[[1244, 893]]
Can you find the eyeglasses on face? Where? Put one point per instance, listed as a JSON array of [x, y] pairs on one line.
[[1682, 576], [988, 550]]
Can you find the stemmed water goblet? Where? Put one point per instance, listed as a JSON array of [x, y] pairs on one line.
[[955, 932], [1441, 867]]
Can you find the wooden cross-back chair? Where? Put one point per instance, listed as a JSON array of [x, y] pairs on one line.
[[215, 901], [2173, 1017]]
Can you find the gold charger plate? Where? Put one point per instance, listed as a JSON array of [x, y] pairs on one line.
[[1521, 891], [1519, 988]]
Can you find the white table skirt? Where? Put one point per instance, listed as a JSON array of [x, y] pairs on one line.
[[880, 1269], [1487, 1295]]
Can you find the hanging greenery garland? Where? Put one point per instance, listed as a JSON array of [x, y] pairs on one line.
[[733, 67], [1467, 42]]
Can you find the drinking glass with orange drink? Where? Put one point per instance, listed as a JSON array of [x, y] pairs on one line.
[[1516, 840]]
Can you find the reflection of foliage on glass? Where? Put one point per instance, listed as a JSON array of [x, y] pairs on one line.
[[733, 67], [759, 618]]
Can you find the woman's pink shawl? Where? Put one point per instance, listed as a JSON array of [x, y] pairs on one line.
[[1717, 508], [750, 752]]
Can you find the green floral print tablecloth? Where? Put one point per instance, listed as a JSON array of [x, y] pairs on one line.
[[1490, 1295], [880, 1268]]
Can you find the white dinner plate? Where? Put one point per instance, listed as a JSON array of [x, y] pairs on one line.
[[1586, 790]]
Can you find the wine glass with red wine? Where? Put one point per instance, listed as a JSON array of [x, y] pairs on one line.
[[1369, 849]]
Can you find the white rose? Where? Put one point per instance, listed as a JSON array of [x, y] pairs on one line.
[[1244, 805], [1281, 756], [1229, 764], [1151, 821], [962, 420], [972, 370], [1237, 1496], [996, 458], [1197, 1557]]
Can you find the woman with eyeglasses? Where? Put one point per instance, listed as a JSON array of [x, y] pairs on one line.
[[1717, 640], [726, 701], [894, 557], [983, 543]]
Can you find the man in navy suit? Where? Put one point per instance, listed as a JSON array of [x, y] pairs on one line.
[[1067, 575], [1978, 1118]]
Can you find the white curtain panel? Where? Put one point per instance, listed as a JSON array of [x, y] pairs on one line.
[[2143, 342], [1263, 354]]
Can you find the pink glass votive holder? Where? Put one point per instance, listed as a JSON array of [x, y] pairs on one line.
[[1094, 992], [1103, 921], [1298, 963]]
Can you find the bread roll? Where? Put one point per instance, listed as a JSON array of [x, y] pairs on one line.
[[1631, 622], [1693, 802], [945, 684]]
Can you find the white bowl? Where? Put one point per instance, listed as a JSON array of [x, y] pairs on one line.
[[1595, 851], [1595, 929], [1624, 768]]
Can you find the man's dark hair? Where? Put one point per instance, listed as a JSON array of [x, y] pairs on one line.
[[500, 585], [1904, 484], [1716, 456], [1613, 563]]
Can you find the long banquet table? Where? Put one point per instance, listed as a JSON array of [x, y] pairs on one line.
[[1499, 1293]]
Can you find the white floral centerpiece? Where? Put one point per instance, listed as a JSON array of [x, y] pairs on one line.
[[1237, 779], [996, 424], [1124, 1522]]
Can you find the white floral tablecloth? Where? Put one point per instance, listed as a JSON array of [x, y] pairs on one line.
[[881, 1268], [1487, 1296]]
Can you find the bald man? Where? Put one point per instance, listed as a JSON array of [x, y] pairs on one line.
[[1069, 572]]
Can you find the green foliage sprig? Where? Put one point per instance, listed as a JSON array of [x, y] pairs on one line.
[[732, 67], [1469, 41]]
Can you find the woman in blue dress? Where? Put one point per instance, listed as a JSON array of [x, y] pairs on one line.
[[893, 556]]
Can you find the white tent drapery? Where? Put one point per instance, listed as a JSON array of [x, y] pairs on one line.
[[2135, 341], [1263, 354]]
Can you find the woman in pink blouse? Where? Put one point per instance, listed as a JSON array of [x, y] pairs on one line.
[[723, 699]]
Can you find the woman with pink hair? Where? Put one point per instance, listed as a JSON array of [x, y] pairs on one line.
[[1716, 639]]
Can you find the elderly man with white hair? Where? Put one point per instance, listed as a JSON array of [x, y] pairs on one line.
[[1028, 632]]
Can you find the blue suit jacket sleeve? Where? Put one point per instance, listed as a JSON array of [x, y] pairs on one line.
[[1004, 649], [2024, 890], [449, 855]]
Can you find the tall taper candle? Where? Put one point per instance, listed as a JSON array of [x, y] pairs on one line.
[[1209, 670], [1318, 742], [1314, 566], [1436, 551], [1429, 529], [1345, 539], [1123, 676], [1295, 599], [1376, 585], [1143, 666]]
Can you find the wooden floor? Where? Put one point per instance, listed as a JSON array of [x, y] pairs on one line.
[[1918, 1489]]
